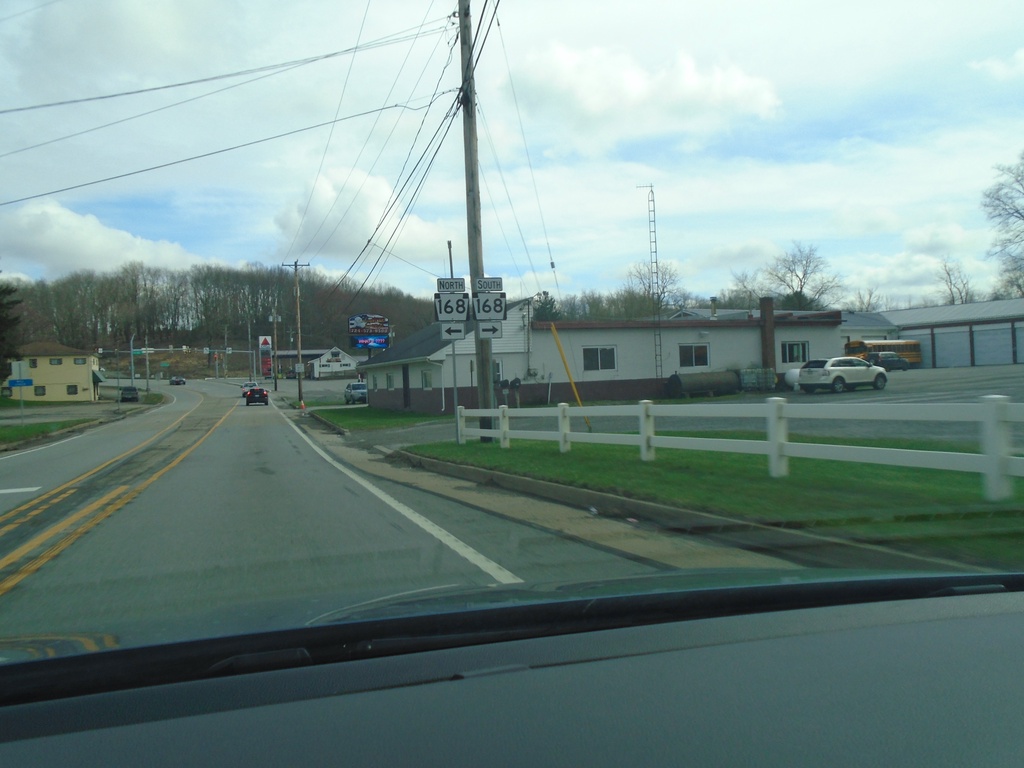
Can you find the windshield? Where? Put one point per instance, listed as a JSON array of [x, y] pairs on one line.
[[571, 372]]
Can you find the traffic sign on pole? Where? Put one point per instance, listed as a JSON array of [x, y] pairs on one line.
[[451, 307], [453, 330], [489, 330], [489, 306]]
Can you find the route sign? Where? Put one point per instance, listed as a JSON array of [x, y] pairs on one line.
[[453, 330], [451, 285], [451, 307], [488, 330], [481, 284], [19, 382], [489, 306]]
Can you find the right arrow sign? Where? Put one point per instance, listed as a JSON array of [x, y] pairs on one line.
[[489, 330]]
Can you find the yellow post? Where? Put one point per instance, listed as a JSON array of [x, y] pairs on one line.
[[575, 392]]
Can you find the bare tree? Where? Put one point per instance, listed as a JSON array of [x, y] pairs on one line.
[[866, 300], [640, 281], [798, 278], [1003, 203], [956, 284]]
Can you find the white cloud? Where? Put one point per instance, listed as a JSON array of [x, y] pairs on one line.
[[45, 240], [609, 96], [1009, 68]]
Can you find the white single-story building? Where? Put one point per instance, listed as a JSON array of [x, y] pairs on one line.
[[333, 363], [614, 360]]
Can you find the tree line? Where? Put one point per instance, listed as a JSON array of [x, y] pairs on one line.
[[213, 306], [205, 305]]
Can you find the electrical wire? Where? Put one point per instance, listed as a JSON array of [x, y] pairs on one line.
[[206, 154], [393, 39]]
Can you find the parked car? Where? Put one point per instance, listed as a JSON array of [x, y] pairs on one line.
[[355, 392], [889, 360], [178, 381], [840, 374], [129, 394], [257, 394]]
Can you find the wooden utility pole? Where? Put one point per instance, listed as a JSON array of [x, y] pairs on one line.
[[484, 364], [301, 369]]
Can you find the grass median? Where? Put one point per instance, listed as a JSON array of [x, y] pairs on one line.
[[19, 432], [928, 511]]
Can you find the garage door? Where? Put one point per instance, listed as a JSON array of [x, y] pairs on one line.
[[952, 348], [993, 345]]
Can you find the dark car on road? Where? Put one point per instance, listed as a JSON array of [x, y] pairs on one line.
[[355, 392], [129, 394], [257, 394], [889, 360], [178, 381]]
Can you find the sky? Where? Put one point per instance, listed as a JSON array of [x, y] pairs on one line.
[[319, 132]]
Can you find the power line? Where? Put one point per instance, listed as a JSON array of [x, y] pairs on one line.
[[398, 37], [205, 154]]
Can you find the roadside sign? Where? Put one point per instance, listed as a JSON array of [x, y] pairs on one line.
[[228, 350], [453, 330], [451, 285], [265, 343], [482, 284], [489, 306], [19, 382], [489, 330], [451, 307]]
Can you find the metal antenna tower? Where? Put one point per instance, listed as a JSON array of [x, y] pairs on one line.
[[655, 279]]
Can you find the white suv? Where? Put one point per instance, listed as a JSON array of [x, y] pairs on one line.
[[840, 374]]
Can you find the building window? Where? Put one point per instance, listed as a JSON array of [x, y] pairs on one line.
[[40, 391], [33, 362], [79, 361], [427, 379], [693, 355], [373, 379], [599, 358], [389, 380], [56, 361], [72, 389], [795, 352]]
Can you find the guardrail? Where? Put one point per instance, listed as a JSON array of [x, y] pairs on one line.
[[994, 414]]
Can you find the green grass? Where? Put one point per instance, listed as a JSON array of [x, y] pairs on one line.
[[926, 511], [14, 434], [14, 402], [371, 419]]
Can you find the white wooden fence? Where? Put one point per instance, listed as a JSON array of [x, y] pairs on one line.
[[994, 414]]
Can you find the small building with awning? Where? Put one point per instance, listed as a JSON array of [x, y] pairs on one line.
[[58, 374]]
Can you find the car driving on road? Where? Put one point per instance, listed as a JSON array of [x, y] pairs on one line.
[[840, 374], [129, 394], [257, 394]]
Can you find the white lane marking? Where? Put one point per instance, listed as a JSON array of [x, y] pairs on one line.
[[15, 454], [484, 563], [20, 490]]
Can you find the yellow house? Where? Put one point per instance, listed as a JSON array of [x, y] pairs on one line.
[[58, 374]]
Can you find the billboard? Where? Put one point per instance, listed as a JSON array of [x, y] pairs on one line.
[[369, 342], [368, 325]]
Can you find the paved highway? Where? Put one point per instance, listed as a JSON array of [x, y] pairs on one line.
[[207, 517]]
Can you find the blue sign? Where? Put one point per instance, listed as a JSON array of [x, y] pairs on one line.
[[369, 342], [19, 382]]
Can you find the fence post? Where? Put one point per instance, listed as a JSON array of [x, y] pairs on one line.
[[778, 435], [646, 431], [564, 428], [460, 424], [995, 445], [503, 425]]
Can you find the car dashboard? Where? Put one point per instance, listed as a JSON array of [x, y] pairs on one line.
[[905, 682]]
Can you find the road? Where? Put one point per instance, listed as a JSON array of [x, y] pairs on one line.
[[206, 517]]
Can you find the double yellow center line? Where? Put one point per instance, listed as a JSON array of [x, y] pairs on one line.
[[87, 517]]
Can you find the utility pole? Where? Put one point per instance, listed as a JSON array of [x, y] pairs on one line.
[[301, 370], [485, 366], [275, 319]]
